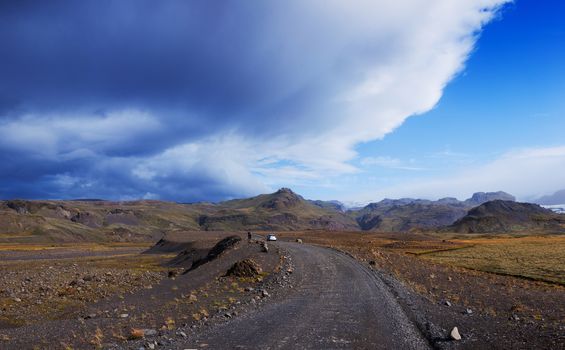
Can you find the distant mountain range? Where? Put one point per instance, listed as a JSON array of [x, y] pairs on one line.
[[391, 215], [283, 210], [553, 199]]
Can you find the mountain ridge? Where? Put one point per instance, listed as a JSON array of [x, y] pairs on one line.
[[407, 214], [283, 210]]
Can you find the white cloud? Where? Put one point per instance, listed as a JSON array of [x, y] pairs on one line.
[[397, 57], [72, 135], [526, 173], [222, 162], [389, 162]]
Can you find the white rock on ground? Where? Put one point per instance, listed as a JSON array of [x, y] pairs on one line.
[[455, 334]]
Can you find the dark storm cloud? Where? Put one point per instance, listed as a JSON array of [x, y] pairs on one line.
[[196, 67], [196, 100], [197, 57]]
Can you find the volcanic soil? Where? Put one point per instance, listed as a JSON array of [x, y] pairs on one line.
[[74, 298]]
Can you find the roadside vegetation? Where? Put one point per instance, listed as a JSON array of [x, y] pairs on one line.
[[537, 258]]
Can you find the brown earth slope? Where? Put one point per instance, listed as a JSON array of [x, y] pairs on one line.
[[505, 216], [100, 221]]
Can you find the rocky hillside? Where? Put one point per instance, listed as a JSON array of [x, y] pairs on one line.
[[483, 197], [501, 216], [282, 210], [45, 221], [393, 215], [71, 221], [407, 217]]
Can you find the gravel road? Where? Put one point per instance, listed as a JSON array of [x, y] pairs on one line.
[[336, 303]]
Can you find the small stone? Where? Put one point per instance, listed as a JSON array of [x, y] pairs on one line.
[[182, 334], [151, 346], [264, 293], [468, 311], [455, 334], [249, 289], [17, 300], [447, 302], [136, 334], [149, 332], [227, 315], [515, 317], [123, 315]]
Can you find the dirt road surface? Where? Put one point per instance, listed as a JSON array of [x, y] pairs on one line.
[[336, 303]]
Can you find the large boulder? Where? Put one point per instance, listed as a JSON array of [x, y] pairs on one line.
[[245, 268]]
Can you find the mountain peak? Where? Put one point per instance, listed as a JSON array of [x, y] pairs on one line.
[[479, 198], [284, 198], [284, 190]]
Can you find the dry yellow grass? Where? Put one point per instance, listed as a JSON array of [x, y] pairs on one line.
[[537, 258], [532, 257]]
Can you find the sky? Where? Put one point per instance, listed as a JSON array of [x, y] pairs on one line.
[[354, 101]]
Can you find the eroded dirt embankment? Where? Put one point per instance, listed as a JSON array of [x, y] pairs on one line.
[[165, 303]]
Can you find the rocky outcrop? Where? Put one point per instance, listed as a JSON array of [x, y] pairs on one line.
[[245, 268], [483, 197], [282, 199], [220, 248]]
